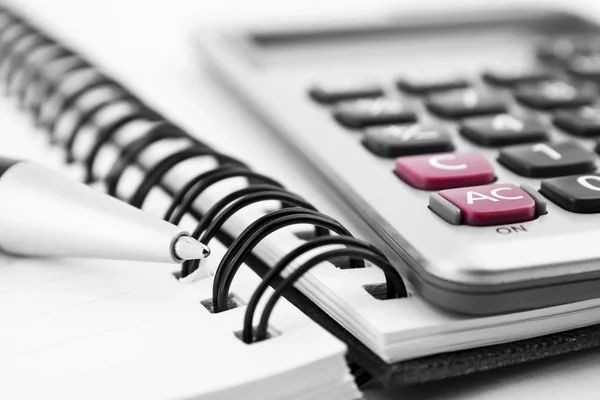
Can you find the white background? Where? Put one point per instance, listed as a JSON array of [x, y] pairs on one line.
[[148, 45]]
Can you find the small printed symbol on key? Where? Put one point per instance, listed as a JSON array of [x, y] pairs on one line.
[[543, 160], [362, 113], [506, 122], [443, 171], [400, 140], [502, 130], [426, 86], [584, 122], [511, 78], [554, 94], [496, 204], [464, 103], [579, 194], [333, 92]]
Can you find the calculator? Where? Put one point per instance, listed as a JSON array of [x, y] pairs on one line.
[[468, 143]]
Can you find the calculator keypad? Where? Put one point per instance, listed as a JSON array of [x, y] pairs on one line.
[[502, 130], [402, 140], [363, 113], [443, 171], [580, 194], [543, 160], [526, 112]]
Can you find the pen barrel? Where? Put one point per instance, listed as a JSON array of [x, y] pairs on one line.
[[43, 213]]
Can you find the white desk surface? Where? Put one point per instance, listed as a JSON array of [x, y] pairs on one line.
[[147, 45]]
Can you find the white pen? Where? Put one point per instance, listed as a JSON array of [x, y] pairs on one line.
[[43, 213]]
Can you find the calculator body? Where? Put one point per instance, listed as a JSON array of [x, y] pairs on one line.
[[551, 259]]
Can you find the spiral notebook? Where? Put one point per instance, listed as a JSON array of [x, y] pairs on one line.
[[121, 145]]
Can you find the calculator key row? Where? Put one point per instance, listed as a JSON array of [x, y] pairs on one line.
[[453, 170], [499, 204]]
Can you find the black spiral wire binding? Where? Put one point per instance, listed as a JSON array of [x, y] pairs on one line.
[[106, 133], [156, 173], [275, 272], [183, 201], [51, 82], [383, 263], [84, 117], [127, 155]]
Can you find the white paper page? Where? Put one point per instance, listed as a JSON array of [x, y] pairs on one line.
[[136, 324]]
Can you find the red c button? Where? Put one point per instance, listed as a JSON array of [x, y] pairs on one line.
[[445, 171]]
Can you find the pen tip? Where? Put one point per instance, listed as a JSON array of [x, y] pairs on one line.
[[188, 248]]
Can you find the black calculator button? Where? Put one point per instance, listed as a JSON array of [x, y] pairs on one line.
[[422, 87], [580, 194], [557, 50], [545, 160], [502, 130], [511, 79], [554, 94], [333, 93], [585, 66], [584, 122], [561, 50], [464, 103], [363, 113], [402, 140]]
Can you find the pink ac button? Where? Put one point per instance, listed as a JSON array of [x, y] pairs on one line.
[[445, 171], [496, 204]]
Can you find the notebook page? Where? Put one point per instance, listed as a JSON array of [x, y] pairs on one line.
[[137, 324]]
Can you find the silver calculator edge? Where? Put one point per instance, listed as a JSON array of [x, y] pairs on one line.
[[501, 273]]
